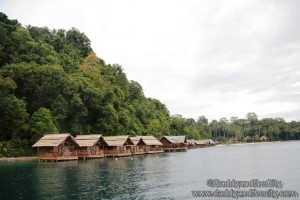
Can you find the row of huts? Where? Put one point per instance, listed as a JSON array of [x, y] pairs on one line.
[[249, 139], [192, 144], [57, 147]]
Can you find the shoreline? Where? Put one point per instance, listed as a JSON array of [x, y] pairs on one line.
[[18, 159], [251, 143], [35, 158]]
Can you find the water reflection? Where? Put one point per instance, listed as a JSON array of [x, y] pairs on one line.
[[17, 180], [161, 176], [55, 180]]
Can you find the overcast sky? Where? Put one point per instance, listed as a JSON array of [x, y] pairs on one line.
[[218, 58]]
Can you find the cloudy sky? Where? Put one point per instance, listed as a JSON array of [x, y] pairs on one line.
[[218, 58]]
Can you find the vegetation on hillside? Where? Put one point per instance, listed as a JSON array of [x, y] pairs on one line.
[[51, 81]]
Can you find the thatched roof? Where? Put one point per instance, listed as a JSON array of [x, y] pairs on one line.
[[191, 142], [233, 139], [135, 140], [87, 140], [175, 139], [117, 140], [248, 138], [203, 142], [150, 140], [263, 138], [54, 140], [147, 140], [200, 142]]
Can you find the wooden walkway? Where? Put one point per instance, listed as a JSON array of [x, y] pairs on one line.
[[138, 153], [90, 156], [57, 159], [117, 155], [177, 149], [155, 151]]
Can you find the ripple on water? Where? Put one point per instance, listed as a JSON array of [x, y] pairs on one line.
[[168, 176]]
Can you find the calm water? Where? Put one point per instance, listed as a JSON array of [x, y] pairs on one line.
[[162, 176]]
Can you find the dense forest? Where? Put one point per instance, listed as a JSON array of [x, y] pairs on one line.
[[51, 81]]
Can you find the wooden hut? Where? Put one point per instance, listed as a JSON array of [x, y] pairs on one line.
[[57, 147], [263, 139], [233, 140], [146, 144], [248, 139], [152, 144], [210, 142], [191, 144], [205, 143], [89, 146], [115, 146], [139, 146], [200, 143], [174, 143]]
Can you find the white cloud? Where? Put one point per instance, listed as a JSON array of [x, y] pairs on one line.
[[212, 58]]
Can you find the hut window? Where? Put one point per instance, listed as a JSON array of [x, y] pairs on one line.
[[49, 150], [61, 149], [71, 148], [93, 148]]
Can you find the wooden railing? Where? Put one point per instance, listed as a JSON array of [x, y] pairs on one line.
[[85, 153], [59, 154], [137, 150], [155, 149]]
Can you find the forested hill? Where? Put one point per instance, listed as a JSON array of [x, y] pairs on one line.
[[51, 81]]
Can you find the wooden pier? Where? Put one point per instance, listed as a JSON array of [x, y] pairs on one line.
[[57, 159]]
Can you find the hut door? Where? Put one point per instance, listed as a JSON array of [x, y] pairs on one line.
[[61, 150], [93, 150]]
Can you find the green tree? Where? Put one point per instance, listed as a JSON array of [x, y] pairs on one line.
[[7, 27], [178, 125], [193, 133], [37, 85], [135, 91], [80, 41], [91, 65], [154, 128], [12, 116], [252, 118], [42, 123], [202, 119]]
